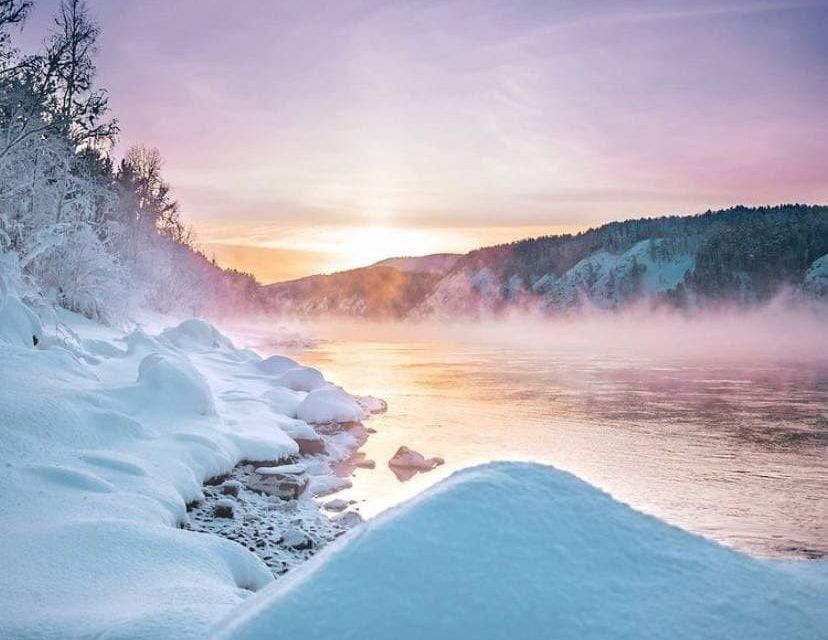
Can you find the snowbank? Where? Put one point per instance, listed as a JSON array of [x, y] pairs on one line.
[[302, 379], [329, 405], [104, 441], [18, 325], [525, 551]]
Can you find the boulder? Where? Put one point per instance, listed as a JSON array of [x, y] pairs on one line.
[[224, 509], [406, 458], [287, 481]]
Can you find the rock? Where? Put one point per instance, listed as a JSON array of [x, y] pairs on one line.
[[295, 538], [365, 464], [224, 509], [336, 505], [308, 447], [406, 458], [287, 482], [231, 488], [370, 404], [348, 520]]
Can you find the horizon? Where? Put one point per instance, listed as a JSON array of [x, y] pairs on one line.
[[380, 129]]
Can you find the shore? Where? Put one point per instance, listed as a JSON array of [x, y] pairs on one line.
[[129, 459]]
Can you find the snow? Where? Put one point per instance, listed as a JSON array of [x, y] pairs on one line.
[[196, 335], [284, 469], [302, 379], [511, 550], [277, 364], [329, 405], [18, 325], [105, 439], [816, 278]]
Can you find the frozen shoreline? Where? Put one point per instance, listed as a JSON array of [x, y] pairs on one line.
[[106, 440]]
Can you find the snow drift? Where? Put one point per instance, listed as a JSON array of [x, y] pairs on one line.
[[526, 551], [104, 439]]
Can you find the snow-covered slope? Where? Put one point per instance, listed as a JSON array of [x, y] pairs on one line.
[[104, 439], [527, 552], [740, 256], [816, 278], [438, 263]]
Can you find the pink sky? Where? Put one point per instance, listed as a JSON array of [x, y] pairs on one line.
[[319, 136]]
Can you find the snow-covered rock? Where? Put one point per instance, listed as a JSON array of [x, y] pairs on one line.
[[370, 404], [196, 335], [336, 505], [302, 379], [277, 365], [287, 481], [174, 384], [284, 400], [524, 551], [329, 405]]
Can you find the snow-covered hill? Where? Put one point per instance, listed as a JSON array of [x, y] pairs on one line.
[[513, 550], [438, 263], [739, 255]]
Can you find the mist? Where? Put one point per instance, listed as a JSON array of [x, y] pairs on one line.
[[784, 329]]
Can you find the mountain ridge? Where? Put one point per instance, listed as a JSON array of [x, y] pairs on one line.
[[741, 254]]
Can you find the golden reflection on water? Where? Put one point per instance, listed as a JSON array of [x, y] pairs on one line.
[[733, 451]]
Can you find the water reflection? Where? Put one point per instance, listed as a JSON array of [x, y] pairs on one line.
[[735, 451]]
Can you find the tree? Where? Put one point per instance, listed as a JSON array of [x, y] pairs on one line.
[[147, 196]]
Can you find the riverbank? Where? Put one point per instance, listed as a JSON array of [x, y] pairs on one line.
[[106, 443]]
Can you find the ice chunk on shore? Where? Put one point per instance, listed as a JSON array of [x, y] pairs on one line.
[[329, 405], [525, 551], [302, 379]]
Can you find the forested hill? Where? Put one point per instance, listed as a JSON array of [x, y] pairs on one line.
[[741, 255]]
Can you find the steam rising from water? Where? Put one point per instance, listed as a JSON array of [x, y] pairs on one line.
[[780, 330]]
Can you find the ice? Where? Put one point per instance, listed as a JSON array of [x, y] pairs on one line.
[[511, 550], [329, 405]]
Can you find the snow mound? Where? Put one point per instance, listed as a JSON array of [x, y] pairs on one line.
[[512, 550], [302, 379], [324, 406], [284, 400], [196, 335], [175, 384], [277, 364], [18, 325]]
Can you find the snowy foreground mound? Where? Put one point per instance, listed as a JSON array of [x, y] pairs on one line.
[[525, 551], [104, 440]]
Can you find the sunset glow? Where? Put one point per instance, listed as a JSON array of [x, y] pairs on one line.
[[381, 128]]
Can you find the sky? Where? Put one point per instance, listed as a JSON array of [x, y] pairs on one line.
[[306, 137]]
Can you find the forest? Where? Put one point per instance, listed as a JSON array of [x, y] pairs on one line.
[[78, 229]]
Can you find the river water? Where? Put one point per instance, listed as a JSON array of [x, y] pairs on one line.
[[735, 449]]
